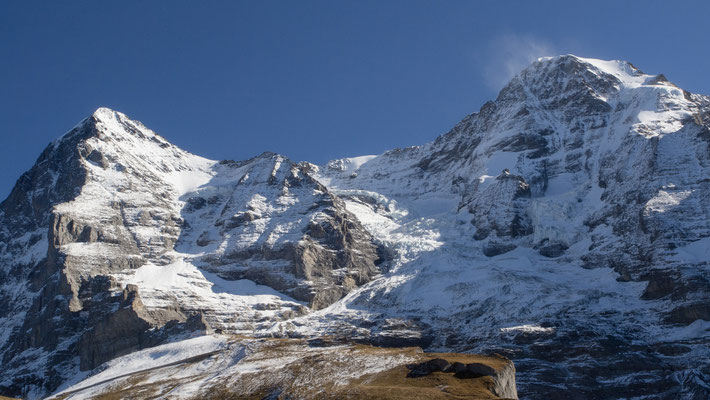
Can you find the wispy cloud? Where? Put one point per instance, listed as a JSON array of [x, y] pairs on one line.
[[511, 53]]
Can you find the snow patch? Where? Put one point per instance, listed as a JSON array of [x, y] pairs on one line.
[[528, 329], [182, 275], [698, 251], [188, 181]]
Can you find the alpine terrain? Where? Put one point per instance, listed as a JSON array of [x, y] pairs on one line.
[[565, 226]]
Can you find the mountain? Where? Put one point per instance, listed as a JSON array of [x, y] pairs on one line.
[[566, 226]]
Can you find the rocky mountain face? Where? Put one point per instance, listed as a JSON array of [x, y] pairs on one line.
[[102, 239], [566, 225]]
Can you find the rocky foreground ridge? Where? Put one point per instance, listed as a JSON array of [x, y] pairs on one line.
[[566, 225], [224, 367]]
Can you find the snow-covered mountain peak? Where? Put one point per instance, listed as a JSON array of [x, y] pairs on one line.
[[568, 77], [624, 71], [555, 113], [114, 128], [107, 114]]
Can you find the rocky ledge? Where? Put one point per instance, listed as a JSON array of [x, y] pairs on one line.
[[232, 367]]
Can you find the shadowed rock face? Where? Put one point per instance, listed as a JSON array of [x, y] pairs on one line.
[[56, 299], [500, 207], [124, 328], [270, 222], [35, 289]]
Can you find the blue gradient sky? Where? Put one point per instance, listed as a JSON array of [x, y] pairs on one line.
[[314, 80]]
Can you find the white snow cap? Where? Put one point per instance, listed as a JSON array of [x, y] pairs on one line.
[[629, 75]]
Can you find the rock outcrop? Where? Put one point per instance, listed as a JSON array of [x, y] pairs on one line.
[[246, 368], [270, 222]]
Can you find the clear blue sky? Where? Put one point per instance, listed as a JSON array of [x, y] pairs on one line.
[[314, 80]]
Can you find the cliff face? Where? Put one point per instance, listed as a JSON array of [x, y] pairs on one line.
[[564, 225], [267, 220]]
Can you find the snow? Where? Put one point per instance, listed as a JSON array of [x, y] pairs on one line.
[[151, 358], [697, 251], [183, 276], [560, 185], [622, 70], [500, 161], [37, 251], [700, 329], [528, 329], [553, 220], [354, 163], [436, 270], [349, 166], [189, 181], [666, 199]]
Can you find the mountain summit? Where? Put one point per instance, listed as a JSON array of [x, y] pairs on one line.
[[565, 226]]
